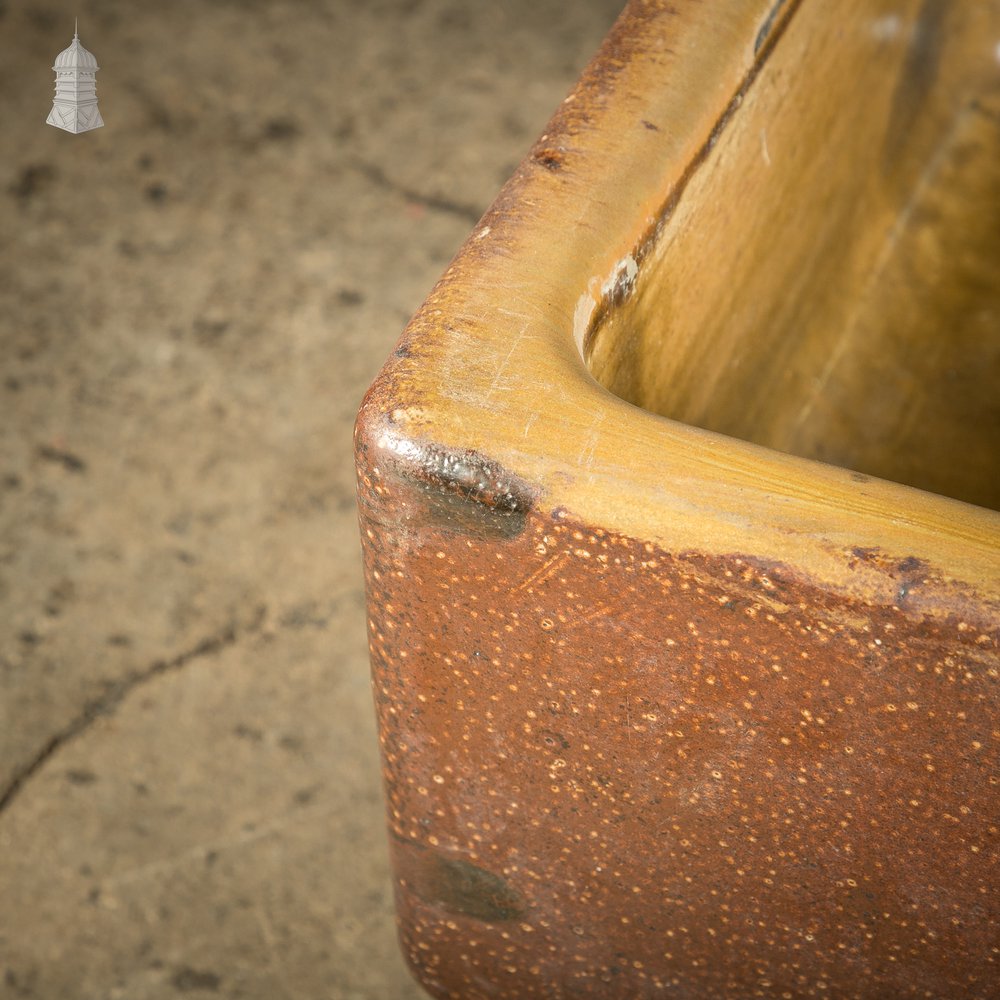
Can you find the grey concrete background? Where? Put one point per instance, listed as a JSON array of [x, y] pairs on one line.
[[192, 301]]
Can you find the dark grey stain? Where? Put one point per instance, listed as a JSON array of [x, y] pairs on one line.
[[457, 886]]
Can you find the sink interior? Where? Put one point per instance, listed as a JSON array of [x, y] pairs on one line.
[[826, 279]]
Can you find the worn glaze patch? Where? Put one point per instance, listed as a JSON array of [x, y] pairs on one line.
[[454, 885], [601, 297], [457, 490]]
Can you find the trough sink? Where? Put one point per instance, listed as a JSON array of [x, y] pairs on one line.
[[677, 503]]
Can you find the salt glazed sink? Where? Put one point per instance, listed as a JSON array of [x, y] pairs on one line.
[[683, 581]]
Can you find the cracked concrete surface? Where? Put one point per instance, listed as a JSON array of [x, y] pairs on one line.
[[192, 300], [107, 702]]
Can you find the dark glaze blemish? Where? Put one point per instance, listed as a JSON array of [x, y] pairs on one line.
[[455, 885], [462, 492]]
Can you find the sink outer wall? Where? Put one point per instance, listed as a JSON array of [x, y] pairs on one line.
[[661, 713]]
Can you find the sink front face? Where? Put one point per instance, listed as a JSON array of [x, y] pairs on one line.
[[665, 707]]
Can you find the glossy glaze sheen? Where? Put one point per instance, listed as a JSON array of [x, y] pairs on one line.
[[662, 712]]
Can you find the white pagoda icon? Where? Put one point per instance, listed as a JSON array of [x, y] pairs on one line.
[[75, 106]]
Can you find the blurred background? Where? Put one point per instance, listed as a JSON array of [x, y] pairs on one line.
[[192, 302]]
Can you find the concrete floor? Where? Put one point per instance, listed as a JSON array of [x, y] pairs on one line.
[[192, 301]]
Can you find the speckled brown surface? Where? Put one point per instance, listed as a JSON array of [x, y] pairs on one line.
[[615, 771]]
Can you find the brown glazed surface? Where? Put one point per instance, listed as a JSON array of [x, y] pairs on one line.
[[614, 771]]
